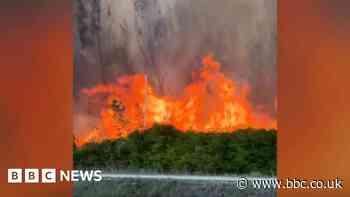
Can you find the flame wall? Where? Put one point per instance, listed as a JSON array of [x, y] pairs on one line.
[[166, 40], [210, 103]]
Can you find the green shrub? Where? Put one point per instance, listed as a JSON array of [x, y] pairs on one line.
[[162, 148]]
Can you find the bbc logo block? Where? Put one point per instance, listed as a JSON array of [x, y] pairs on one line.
[[31, 175], [48, 175], [14, 175]]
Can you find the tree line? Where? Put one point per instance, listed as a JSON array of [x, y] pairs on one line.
[[164, 149]]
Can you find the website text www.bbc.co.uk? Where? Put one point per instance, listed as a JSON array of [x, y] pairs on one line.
[[273, 183]]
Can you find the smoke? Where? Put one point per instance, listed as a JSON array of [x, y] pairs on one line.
[[84, 122], [167, 38]]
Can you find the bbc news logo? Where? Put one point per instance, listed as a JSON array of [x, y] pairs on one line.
[[34, 175]]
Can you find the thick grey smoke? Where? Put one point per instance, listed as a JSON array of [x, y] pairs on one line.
[[167, 38]]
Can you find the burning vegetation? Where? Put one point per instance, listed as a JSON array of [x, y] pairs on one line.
[[211, 103]]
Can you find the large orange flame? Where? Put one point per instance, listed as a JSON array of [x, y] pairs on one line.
[[211, 103]]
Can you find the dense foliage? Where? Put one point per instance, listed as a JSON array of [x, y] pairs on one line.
[[165, 149]]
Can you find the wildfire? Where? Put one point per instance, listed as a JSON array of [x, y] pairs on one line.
[[211, 103]]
